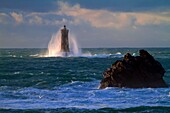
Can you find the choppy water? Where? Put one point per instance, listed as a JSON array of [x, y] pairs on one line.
[[56, 84]]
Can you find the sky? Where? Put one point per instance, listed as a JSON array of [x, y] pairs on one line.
[[94, 23]]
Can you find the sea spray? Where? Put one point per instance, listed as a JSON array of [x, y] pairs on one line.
[[54, 46], [75, 49]]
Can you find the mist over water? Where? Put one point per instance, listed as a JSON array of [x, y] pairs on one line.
[[54, 46]]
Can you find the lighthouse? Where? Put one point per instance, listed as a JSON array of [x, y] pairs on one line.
[[64, 41]]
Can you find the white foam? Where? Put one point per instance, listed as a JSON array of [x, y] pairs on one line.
[[87, 55], [54, 46], [35, 55], [16, 73]]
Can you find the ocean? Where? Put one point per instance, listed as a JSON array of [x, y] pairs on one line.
[[31, 82]]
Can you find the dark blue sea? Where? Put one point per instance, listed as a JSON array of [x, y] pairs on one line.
[[30, 83]]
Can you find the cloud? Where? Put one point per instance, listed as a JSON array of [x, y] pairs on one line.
[[18, 17], [151, 18], [3, 14], [109, 19], [36, 20], [98, 18], [41, 20], [3, 18]]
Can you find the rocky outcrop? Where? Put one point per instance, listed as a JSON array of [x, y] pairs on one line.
[[134, 72]]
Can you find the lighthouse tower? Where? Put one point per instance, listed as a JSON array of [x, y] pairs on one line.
[[64, 41]]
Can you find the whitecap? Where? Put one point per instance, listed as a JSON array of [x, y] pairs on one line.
[[16, 73], [36, 55], [134, 54], [169, 94], [118, 53], [31, 74]]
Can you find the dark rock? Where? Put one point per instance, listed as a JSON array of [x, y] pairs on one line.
[[135, 72]]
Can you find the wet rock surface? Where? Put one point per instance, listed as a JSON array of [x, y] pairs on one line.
[[141, 71]]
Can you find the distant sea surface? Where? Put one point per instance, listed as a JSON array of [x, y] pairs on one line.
[[30, 82]]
